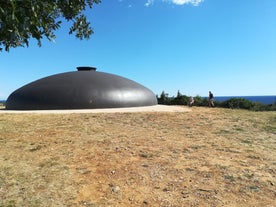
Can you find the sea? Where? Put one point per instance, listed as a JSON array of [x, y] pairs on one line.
[[260, 99]]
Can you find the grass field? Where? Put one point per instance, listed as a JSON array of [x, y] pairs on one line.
[[203, 157]]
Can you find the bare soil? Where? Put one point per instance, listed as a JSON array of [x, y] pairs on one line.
[[198, 157]]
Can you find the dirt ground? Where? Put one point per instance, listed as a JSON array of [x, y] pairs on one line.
[[197, 157]]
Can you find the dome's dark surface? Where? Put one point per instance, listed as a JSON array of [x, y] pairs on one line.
[[82, 89]]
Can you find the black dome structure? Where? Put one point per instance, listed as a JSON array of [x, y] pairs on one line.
[[82, 89]]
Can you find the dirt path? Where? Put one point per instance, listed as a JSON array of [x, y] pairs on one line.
[[155, 108], [197, 157]]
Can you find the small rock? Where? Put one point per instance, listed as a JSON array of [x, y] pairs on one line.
[[115, 189]]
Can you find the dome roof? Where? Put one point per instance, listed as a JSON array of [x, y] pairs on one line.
[[82, 89]]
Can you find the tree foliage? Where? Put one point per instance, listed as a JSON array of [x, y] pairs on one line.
[[21, 20]]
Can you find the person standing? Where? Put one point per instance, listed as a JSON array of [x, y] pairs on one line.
[[211, 99], [191, 101]]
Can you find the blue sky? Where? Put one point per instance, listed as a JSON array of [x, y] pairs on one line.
[[226, 46]]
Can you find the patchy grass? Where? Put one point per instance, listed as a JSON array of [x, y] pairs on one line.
[[203, 157]]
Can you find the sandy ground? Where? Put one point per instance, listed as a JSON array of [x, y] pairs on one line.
[[155, 108]]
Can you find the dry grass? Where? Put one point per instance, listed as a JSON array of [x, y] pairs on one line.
[[204, 157]]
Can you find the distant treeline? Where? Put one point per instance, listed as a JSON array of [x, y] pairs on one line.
[[233, 103]]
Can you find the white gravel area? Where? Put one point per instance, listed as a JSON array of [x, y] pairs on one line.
[[155, 108]]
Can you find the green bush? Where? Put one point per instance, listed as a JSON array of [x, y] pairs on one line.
[[236, 103], [199, 101], [180, 100], [241, 103]]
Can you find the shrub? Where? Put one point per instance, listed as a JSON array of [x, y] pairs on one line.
[[236, 103], [199, 101]]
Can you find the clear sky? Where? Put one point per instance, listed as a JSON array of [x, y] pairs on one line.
[[226, 46]]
